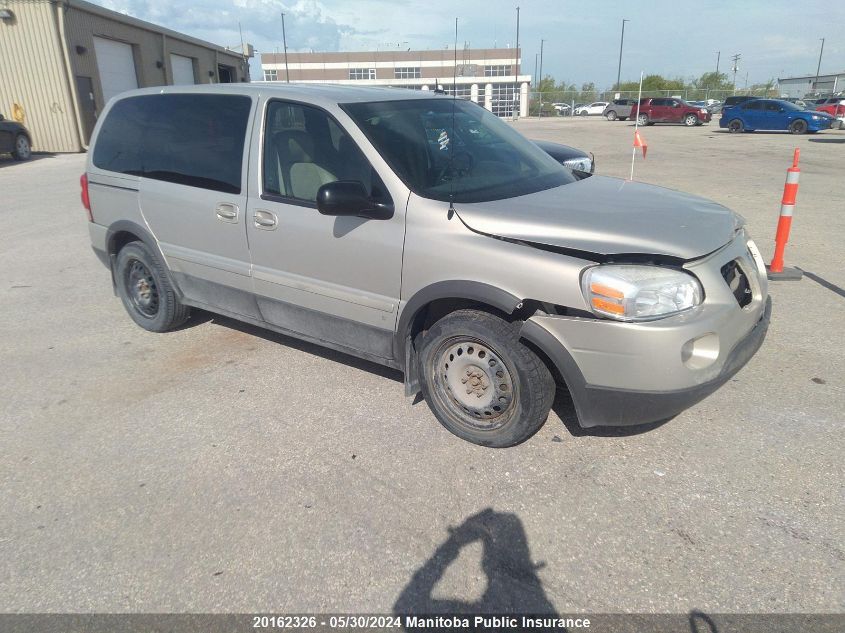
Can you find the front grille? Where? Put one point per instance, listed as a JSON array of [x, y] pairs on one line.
[[738, 282]]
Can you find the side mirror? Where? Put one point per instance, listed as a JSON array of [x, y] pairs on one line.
[[2, 118], [349, 198]]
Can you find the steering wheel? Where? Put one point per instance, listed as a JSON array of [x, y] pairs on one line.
[[459, 164]]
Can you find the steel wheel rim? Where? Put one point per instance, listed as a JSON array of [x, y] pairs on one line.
[[22, 147], [473, 383], [142, 289]]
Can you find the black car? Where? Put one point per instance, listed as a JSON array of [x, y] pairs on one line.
[[15, 139], [567, 156]]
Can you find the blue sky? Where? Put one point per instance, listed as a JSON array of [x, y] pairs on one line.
[[774, 37]]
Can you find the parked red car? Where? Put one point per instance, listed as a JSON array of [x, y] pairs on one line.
[[669, 110], [834, 106]]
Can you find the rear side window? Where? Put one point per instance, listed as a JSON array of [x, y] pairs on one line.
[[753, 105], [188, 139]]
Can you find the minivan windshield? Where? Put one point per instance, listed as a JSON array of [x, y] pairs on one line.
[[478, 158]]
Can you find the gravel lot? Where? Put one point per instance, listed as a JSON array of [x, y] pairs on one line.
[[223, 468]]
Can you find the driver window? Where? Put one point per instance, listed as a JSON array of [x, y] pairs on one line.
[[305, 148]]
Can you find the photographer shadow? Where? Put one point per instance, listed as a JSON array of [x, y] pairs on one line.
[[512, 582]]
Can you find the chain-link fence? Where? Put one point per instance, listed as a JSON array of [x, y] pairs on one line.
[[564, 103]]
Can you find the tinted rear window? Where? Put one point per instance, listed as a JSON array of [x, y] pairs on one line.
[[189, 139]]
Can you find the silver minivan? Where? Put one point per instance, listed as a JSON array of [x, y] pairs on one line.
[[423, 233]]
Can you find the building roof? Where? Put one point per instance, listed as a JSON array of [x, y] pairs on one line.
[[96, 9], [438, 54], [825, 76], [317, 93]]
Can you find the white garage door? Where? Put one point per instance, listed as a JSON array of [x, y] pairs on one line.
[[116, 64], [183, 69]]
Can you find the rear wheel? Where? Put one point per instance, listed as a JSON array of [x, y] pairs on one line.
[[642, 119], [611, 116], [145, 290], [690, 120], [22, 150], [798, 126], [481, 383], [735, 126]]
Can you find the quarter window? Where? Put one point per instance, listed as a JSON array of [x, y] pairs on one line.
[[189, 139], [362, 73]]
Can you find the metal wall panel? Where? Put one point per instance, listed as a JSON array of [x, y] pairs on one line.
[[32, 74]]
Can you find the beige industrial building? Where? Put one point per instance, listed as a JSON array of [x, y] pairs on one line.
[[487, 76], [62, 60]]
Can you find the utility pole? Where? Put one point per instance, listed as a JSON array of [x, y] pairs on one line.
[[540, 82], [516, 93], [536, 58], [285, 46], [819, 67], [619, 68], [735, 59], [718, 57]]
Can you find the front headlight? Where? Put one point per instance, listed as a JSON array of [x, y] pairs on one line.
[[639, 293], [581, 164], [816, 117]]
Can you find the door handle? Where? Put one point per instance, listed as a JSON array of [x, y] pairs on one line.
[[227, 212], [264, 220]]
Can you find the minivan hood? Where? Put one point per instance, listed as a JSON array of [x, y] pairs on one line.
[[608, 216]]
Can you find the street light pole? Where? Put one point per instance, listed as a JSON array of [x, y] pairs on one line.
[[540, 81], [285, 46], [621, 41], [819, 67]]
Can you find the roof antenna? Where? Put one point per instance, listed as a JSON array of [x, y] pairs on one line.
[[452, 141]]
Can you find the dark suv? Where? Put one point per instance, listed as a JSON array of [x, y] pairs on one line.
[[669, 110]]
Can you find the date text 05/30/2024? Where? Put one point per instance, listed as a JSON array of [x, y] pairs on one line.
[[456, 623]]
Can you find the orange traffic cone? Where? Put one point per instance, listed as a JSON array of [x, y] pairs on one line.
[[639, 142]]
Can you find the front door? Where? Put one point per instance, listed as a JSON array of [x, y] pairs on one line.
[[87, 105], [333, 279], [675, 112], [193, 193]]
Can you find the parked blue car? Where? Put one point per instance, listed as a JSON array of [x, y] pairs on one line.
[[773, 114]]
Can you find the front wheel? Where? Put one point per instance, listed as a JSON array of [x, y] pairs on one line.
[[799, 126], [22, 150], [145, 290], [611, 116], [690, 120], [735, 126], [481, 383], [642, 119]]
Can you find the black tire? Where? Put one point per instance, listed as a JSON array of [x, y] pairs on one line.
[[735, 126], [611, 116], [583, 113], [485, 353], [145, 290], [22, 150], [798, 126], [623, 118], [690, 120], [642, 119]]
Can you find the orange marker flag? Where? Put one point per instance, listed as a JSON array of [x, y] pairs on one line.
[[639, 142]]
